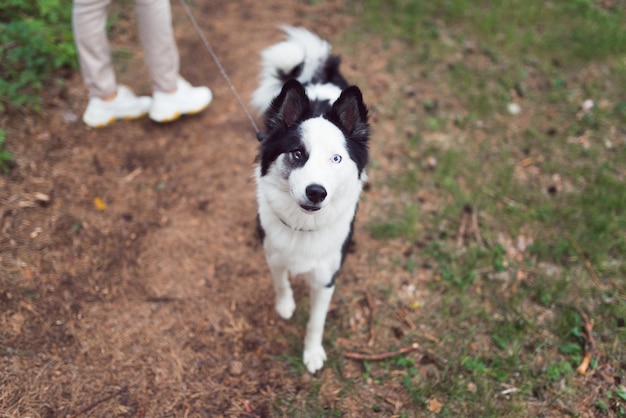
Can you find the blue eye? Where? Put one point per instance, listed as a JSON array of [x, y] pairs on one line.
[[336, 158]]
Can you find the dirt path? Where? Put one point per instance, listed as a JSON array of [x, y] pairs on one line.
[[160, 304]]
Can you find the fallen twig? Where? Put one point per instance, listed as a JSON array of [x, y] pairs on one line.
[[509, 391], [469, 225], [587, 263], [92, 405], [370, 319], [476, 227], [382, 356], [161, 299], [590, 344], [466, 220], [246, 405], [430, 357]]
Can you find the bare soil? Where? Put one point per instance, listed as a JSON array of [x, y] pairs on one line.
[[132, 282]]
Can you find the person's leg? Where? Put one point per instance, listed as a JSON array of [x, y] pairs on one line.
[[107, 100], [94, 54], [154, 18], [172, 95]]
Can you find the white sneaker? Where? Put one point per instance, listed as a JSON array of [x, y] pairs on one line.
[[186, 100], [126, 105]]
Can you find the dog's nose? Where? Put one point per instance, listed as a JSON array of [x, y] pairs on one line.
[[316, 193]]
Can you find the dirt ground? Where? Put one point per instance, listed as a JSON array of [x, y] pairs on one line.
[[132, 281]]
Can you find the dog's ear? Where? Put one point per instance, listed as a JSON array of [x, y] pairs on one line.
[[350, 114], [288, 108]]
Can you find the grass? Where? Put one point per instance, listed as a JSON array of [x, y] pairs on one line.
[[6, 158], [35, 42], [540, 195], [547, 190]]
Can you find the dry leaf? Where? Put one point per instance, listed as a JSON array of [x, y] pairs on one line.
[[17, 320], [99, 203], [434, 405]]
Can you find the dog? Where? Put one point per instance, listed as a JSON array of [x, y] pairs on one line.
[[309, 173]]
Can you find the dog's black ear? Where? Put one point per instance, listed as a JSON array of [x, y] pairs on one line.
[[288, 108], [350, 114]]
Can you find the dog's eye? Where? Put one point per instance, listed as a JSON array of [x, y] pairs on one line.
[[336, 158], [296, 154]]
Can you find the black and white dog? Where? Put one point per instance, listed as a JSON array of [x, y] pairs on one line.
[[309, 173]]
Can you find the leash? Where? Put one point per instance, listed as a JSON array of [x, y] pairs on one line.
[[259, 134]]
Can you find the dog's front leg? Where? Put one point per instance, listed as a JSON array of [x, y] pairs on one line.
[[314, 354], [285, 304]]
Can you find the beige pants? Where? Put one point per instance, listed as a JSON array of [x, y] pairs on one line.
[[94, 53]]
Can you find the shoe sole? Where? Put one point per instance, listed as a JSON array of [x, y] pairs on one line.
[[102, 125], [113, 119], [178, 115], [167, 119]]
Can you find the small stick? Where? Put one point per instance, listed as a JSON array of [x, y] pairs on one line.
[[476, 227], [460, 235], [91, 406], [382, 356], [590, 344], [587, 263], [246, 405], [370, 319]]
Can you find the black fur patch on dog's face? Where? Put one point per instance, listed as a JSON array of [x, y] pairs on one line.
[[296, 157], [288, 142], [282, 122], [350, 115], [292, 107]]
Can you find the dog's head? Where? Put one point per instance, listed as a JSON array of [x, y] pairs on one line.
[[313, 155]]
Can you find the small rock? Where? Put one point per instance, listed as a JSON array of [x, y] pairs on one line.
[[36, 232], [69, 117], [236, 367], [42, 199], [514, 108]]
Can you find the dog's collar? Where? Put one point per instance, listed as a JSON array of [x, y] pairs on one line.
[[292, 228]]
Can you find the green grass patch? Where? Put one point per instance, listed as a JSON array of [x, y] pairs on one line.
[[6, 158], [35, 41], [539, 198], [579, 30]]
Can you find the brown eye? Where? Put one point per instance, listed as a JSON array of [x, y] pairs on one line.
[[296, 154]]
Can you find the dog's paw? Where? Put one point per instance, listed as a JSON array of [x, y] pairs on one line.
[[285, 306], [314, 358]]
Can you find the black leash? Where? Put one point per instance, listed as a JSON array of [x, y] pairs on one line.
[[259, 134]]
